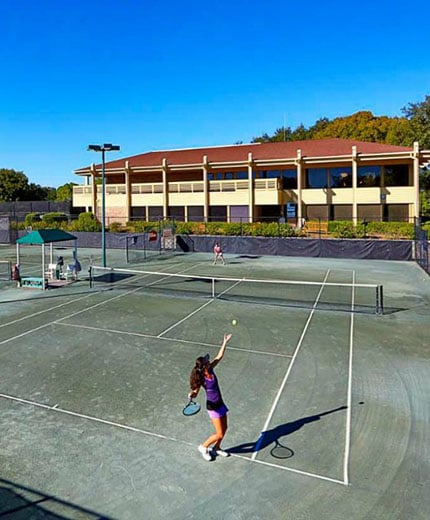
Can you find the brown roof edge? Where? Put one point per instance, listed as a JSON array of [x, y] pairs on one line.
[[260, 151]]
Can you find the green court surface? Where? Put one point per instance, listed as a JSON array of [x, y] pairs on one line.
[[93, 381]]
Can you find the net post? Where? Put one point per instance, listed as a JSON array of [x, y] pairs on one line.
[[213, 288], [379, 300], [90, 276]]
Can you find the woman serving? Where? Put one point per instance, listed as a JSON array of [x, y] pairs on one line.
[[203, 375]]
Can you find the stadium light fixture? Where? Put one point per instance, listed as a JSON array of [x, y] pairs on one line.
[[107, 147]]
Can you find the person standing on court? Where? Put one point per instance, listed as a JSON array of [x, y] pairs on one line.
[[203, 375], [218, 253]]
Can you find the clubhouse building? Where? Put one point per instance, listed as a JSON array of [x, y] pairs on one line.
[[328, 179]]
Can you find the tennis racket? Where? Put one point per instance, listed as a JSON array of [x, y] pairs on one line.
[[279, 451], [191, 408]]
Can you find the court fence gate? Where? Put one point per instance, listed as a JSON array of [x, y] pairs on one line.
[[421, 244]]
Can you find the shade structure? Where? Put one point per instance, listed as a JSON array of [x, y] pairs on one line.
[[42, 237], [45, 236]]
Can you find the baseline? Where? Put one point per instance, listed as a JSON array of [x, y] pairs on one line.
[[55, 408]]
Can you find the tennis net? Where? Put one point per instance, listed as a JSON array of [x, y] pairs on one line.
[[366, 298], [5, 270]]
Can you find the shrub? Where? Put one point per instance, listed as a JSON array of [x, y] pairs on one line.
[[342, 229], [86, 222], [31, 219], [116, 227], [426, 226], [54, 218], [393, 230]]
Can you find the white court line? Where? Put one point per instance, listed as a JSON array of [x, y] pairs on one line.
[[349, 393], [55, 408], [292, 470], [66, 317], [184, 319], [91, 418], [70, 315], [197, 310], [175, 340], [46, 310], [290, 366]]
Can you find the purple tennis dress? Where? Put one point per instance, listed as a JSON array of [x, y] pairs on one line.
[[215, 405]]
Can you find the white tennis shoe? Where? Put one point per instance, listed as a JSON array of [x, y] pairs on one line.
[[205, 453]]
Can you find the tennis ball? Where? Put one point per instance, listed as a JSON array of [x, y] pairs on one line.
[[234, 322]]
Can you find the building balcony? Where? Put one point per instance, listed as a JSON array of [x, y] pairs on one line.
[[266, 191]]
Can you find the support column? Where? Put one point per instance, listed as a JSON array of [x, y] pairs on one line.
[[165, 190], [354, 185], [205, 189], [416, 208], [94, 188], [250, 189], [127, 173], [299, 165]]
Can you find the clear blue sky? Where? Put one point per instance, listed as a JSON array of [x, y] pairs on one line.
[[158, 75]]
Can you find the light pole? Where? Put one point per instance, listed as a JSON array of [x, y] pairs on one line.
[[103, 148]]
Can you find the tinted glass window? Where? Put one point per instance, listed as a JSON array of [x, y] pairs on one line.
[[368, 176], [316, 178], [341, 177], [289, 181], [396, 175]]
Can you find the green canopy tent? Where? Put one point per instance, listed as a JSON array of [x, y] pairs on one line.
[[42, 237]]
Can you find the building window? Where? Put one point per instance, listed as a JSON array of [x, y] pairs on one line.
[[289, 180], [316, 178], [138, 212], [239, 214], [196, 214], [369, 212], [241, 175], [396, 212], [177, 213], [341, 177], [218, 214], [396, 175], [368, 176]]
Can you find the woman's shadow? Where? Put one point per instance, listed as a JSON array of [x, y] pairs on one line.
[[272, 436]]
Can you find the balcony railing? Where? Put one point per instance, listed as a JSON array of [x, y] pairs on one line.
[[181, 187]]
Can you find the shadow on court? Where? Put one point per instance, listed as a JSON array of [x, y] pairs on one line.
[[275, 434], [18, 501]]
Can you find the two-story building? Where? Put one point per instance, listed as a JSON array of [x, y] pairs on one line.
[[329, 179]]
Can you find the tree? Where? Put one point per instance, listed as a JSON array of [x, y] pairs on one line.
[[418, 115], [13, 185], [363, 126], [425, 179], [65, 192], [36, 192]]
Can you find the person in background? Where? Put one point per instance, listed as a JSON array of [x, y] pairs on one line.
[[218, 253], [16, 275]]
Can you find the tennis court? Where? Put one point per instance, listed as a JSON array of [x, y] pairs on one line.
[[93, 381]]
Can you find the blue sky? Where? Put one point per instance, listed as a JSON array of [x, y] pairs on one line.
[[158, 75]]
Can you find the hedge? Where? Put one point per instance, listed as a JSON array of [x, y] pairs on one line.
[[336, 229]]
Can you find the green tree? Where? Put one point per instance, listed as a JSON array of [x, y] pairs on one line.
[[418, 115], [425, 204], [35, 192], [13, 185], [65, 192]]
